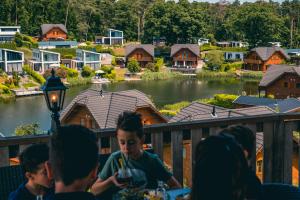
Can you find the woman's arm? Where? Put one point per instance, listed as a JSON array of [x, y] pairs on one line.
[[102, 185], [173, 183]]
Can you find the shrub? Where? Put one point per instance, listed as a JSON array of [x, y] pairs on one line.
[[214, 60], [168, 113], [8, 45], [222, 100], [208, 47], [4, 89], [87, 71], [113, 61], [36, 76], [159, 63], [71, 73], [107, 69], [28, 129], [252, 74], [148, 75], [65, 51], [231, 66], [60, 72], [133, 66], [150, 66], [79, 81], [68, 56], [18, 40], [177, 106]]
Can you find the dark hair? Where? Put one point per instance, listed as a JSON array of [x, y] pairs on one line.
[[32, 156], [244, 136], [73, 153], [132, 122], [220, 170]]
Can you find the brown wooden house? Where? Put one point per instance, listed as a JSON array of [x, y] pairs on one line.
[[53, 32], [258, 59], [281, 81], [143, 53], [185, 55], [97, 110]]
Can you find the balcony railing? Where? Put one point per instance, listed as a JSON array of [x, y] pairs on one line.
[[277, 149], [252, 61]]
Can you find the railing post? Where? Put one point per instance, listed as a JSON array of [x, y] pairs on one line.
[[252, 127], [267, 152], [196, 136], [99, 145], [4, 156], [287, 150], [114, 144], [157, 141], [177, 155]]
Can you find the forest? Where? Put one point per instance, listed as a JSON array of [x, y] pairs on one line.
[[179, 22]]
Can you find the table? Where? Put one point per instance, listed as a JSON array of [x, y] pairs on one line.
[[174, 193]]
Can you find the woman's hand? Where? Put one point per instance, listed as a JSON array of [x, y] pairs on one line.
[[114, 180]]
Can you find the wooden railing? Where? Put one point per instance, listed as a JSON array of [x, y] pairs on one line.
[[277, 149]]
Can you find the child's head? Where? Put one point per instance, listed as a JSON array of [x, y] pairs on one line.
[[220, 169], [73, 155], [130, 133], [33, 160]]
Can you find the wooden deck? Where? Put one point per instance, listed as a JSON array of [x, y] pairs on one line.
[[277, 133]]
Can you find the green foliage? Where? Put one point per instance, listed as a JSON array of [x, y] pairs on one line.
[[4, 89], [79, 81], [232, 67], [168, 113], [16, 79], [113, 61], [176, 107], [222, 100], [159, 63], [150, 66], [36, 76], [71, 73], [211, 74], [65, 52], [18, 40], [252, 74], [87, 71], [163, 75], [28, 129], [8, 45], [133, 66], [68, 56], [110, 72], [60, 72], [208, 47], [29, 84], [214, 60]]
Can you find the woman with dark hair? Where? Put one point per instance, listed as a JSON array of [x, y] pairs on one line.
[[220, 170]]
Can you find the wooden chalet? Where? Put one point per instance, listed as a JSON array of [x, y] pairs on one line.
[[185, 55], [97, 110], [53, 32], [259, 59], [143, 53], [281, 81]]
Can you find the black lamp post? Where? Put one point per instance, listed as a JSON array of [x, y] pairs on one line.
[[54, 91]]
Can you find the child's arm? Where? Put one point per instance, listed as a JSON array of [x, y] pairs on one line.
[[102, 185]]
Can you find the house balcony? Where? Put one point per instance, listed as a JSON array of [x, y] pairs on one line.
[[252, 61]]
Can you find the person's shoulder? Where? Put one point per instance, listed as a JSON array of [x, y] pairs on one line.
[[115, 155], [150, 156], [21, 193]]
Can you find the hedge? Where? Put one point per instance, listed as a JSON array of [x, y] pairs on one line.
[[36, 76]]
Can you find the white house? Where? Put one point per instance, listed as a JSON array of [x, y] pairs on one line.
[[43, 60], [11, 61], [202, 41], [7, 33], [234, 56], [89, 58], [113, 37], [239, 44], [275, 44]]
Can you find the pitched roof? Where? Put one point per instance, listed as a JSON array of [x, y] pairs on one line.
[[275, 71], [254, 101], [283, 105], [266, 52], [105, 108], [192, 47], [202, 111], [149, 48], [47, 27]]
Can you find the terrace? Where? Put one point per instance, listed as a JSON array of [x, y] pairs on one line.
[[277, 133]]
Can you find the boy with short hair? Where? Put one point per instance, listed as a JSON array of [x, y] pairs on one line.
[[73, 162], [147, 167], [32, 161]]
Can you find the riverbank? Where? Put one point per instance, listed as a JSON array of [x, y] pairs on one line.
[[257, 75]]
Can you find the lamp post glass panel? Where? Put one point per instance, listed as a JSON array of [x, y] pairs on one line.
[[54, 92]]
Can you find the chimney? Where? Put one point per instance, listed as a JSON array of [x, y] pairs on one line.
[[213, 113]]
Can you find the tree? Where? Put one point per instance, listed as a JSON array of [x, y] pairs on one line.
[[150, 66], [133, 66], [28, 129], [214, 59]]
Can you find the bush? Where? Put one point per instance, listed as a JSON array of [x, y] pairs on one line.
[[148, 75], [28, 129], [222, 100], [133, 66], [65, 51], [71, 73], [60, 72], [177, 106], [231, 66], [211, 74], [159, 63], [8, 45], [36, 76], [18, 40], [150, 66], [4, 89], [113, 61], [68, 56], [168, 113], [252, 74], [208, 47], [87, 71], [79, 81]]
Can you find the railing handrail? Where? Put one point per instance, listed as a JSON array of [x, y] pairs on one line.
[[155, 128]]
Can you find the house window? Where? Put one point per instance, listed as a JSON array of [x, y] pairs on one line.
[[259, 166], [298, 85], [286, 84], [82, 121], [238, 56]]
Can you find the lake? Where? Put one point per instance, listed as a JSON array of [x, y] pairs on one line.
[[33, 109]]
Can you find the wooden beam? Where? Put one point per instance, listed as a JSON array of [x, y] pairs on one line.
[[252, 163], [177, 155], [157, 141], [267, 152], [4, 156], [196, 137]]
